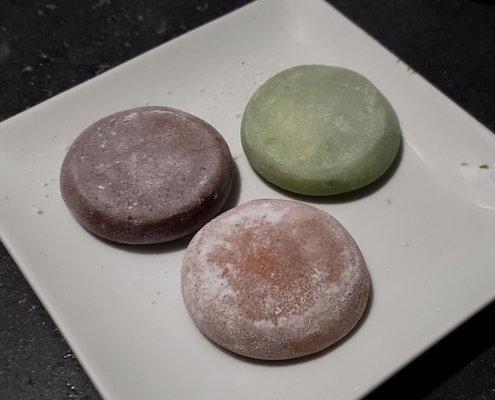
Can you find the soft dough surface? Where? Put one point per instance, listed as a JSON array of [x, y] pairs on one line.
[[320, 130], [274, 279], [146, 175]]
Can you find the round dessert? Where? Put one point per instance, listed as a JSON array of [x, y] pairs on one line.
[[146, 175], [274, 280], [319, 130]]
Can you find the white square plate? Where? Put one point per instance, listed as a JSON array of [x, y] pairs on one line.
[[427, 233]]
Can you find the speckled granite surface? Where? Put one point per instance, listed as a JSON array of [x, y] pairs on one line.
[[49, 46]]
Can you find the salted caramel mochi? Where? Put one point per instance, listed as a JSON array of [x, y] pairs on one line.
[[274, 280]]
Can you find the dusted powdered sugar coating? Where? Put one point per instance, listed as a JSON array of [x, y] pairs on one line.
[[146, 175], [274, 279]]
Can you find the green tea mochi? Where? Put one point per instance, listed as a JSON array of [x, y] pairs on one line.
[[319, 130]]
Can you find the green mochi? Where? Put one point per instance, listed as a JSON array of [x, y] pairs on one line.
[[319, 130]]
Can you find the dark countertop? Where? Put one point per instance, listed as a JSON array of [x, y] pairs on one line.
[[48, 46]]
